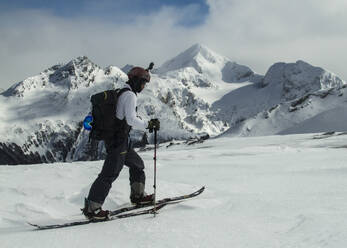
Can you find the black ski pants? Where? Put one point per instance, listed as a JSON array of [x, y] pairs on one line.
[[119, 152]]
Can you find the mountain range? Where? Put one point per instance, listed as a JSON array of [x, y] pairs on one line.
[[197, 94]]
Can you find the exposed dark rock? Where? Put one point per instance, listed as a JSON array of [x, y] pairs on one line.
[[12, 154]]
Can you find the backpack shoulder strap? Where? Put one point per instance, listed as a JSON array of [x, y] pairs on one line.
[[121, 91]]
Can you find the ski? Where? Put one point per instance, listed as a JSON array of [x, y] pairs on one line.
[[84, 222], [162, 201], [122, 212]]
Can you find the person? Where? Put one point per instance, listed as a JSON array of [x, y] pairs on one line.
[[120, 152]]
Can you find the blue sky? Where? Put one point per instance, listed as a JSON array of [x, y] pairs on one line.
[[112, 11], [34, 35]]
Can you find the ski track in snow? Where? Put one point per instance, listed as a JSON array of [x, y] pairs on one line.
[[274, 191]]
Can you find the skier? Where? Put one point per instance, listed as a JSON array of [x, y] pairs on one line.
[[120, 152]]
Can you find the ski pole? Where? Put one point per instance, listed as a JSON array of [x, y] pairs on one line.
[[155, 170]]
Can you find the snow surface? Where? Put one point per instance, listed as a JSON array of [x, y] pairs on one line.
[[273, 191], [322, 111], [332, 120]]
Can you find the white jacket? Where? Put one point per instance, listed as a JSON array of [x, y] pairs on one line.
[[126, 108]]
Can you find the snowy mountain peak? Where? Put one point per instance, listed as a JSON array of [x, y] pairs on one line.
[[207, 62], [78, 72], [72, 68], [82, 60], [197, 56], [201, 50], [293, 80]]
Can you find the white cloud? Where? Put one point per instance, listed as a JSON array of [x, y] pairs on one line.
[[261, 32], [33, 40], [257, 33]]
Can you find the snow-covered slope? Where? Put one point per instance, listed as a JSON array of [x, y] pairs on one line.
[[322, 111], [251, 109], [275, 191], [332, 120]]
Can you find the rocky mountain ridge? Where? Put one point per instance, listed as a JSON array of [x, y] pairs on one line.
[[197, 93]]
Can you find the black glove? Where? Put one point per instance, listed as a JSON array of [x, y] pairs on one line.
[[153, 124]]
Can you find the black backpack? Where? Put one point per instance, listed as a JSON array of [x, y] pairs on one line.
[[104, 105]]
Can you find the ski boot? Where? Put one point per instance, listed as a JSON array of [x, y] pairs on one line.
[[140, 200], [138, 196], [93, 211]]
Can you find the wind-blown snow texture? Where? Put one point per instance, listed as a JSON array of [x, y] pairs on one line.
[[274, 191], [197, 93]]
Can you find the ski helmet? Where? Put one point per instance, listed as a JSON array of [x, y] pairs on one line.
[[139, 72], [138, 76]]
